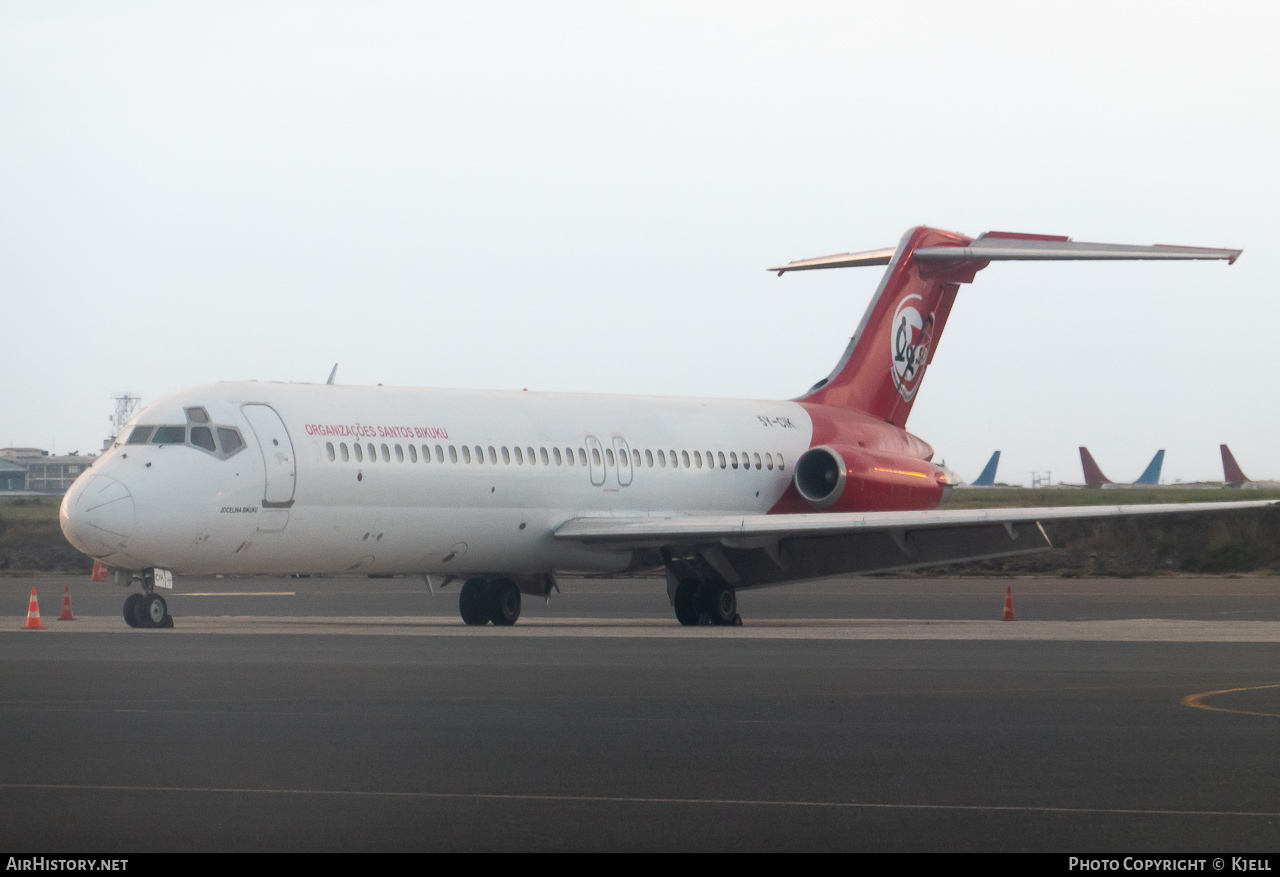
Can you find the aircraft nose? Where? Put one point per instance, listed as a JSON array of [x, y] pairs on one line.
[[97, 515]]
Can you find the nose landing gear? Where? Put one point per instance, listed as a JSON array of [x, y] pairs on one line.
[[148, 609]]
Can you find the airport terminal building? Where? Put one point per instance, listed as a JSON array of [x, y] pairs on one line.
[[36, 471]]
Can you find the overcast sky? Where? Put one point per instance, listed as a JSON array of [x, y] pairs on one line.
[[584, 196]]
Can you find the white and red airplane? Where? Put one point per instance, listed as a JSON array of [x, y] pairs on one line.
[[503, 490]]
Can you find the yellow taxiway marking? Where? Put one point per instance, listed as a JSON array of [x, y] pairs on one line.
[[1196, 701], [618, 799], [236, 594]]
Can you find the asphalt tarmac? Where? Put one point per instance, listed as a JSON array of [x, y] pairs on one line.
[[879, 714]]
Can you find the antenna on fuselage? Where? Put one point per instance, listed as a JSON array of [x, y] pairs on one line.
[[333, 374]]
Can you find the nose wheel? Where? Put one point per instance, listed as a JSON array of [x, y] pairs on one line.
[[147, 610]]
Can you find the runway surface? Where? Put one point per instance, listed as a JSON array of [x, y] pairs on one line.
[[881, 714]]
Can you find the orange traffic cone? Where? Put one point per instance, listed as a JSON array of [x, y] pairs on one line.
[[1008, 605], [99, 572], [33, 613], [66, 606]]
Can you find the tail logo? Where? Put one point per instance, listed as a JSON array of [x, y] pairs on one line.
[[909, 345]]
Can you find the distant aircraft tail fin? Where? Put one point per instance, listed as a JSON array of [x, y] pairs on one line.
[[1231, 471], [885, 360], [988, 476], [1151, 475], [1093, 476]]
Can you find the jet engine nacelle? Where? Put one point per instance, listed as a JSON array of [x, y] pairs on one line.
[[843, 479]]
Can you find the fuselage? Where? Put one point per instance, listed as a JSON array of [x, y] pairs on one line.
[[331, 478]]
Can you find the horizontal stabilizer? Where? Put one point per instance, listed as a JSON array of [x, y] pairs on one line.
[[1000, 246], [843, 260]]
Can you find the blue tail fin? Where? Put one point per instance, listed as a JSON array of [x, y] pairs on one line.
[[988, 476], [1152, 473]]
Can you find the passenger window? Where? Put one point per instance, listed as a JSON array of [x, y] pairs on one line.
[[197, 415], [781, 465], [648, 458], [453, 454], [756, 457], [440, 453], [202, 437], [373, 452], [746, 460], [608, 456], [675, 461], [426, 453], [466, 454], [359, 453], [733, 459], [635, 457], [542, 452], [479, 455], [328, 446], [346, 455], [662, 459], [386, 454], [169, 435], [413, 454], [582, 457], [684, 458], [399, 453], [559, 460], [139, 435], [697, 459], [595, 456], [768, 462], [519, 456], [532, 457], [720, 457], [506, 455], [493, 455]]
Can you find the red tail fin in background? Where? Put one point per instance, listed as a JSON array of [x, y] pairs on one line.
[[1231, 471], [1093, 476]]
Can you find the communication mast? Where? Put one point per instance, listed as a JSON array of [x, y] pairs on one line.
[[126, 405]]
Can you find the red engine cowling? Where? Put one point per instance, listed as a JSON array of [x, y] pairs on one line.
[[842, 479]]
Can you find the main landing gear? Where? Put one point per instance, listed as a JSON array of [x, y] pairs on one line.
[[147, 609], [485, 600], [706, 603]]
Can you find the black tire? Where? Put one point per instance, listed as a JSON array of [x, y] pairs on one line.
[[151, 611], [130, 604], [504, 603], [473, 602], [721, 604], [688, 612]]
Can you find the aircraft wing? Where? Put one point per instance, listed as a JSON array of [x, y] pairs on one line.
[[758, 550]]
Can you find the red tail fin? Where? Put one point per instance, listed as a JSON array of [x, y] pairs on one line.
[[1092, 474], [1231, 470], [886, 359]]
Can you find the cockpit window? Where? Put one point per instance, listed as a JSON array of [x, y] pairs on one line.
[[230, 440], [202, 437], [197, 415], [140, 435], [169, 435]]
